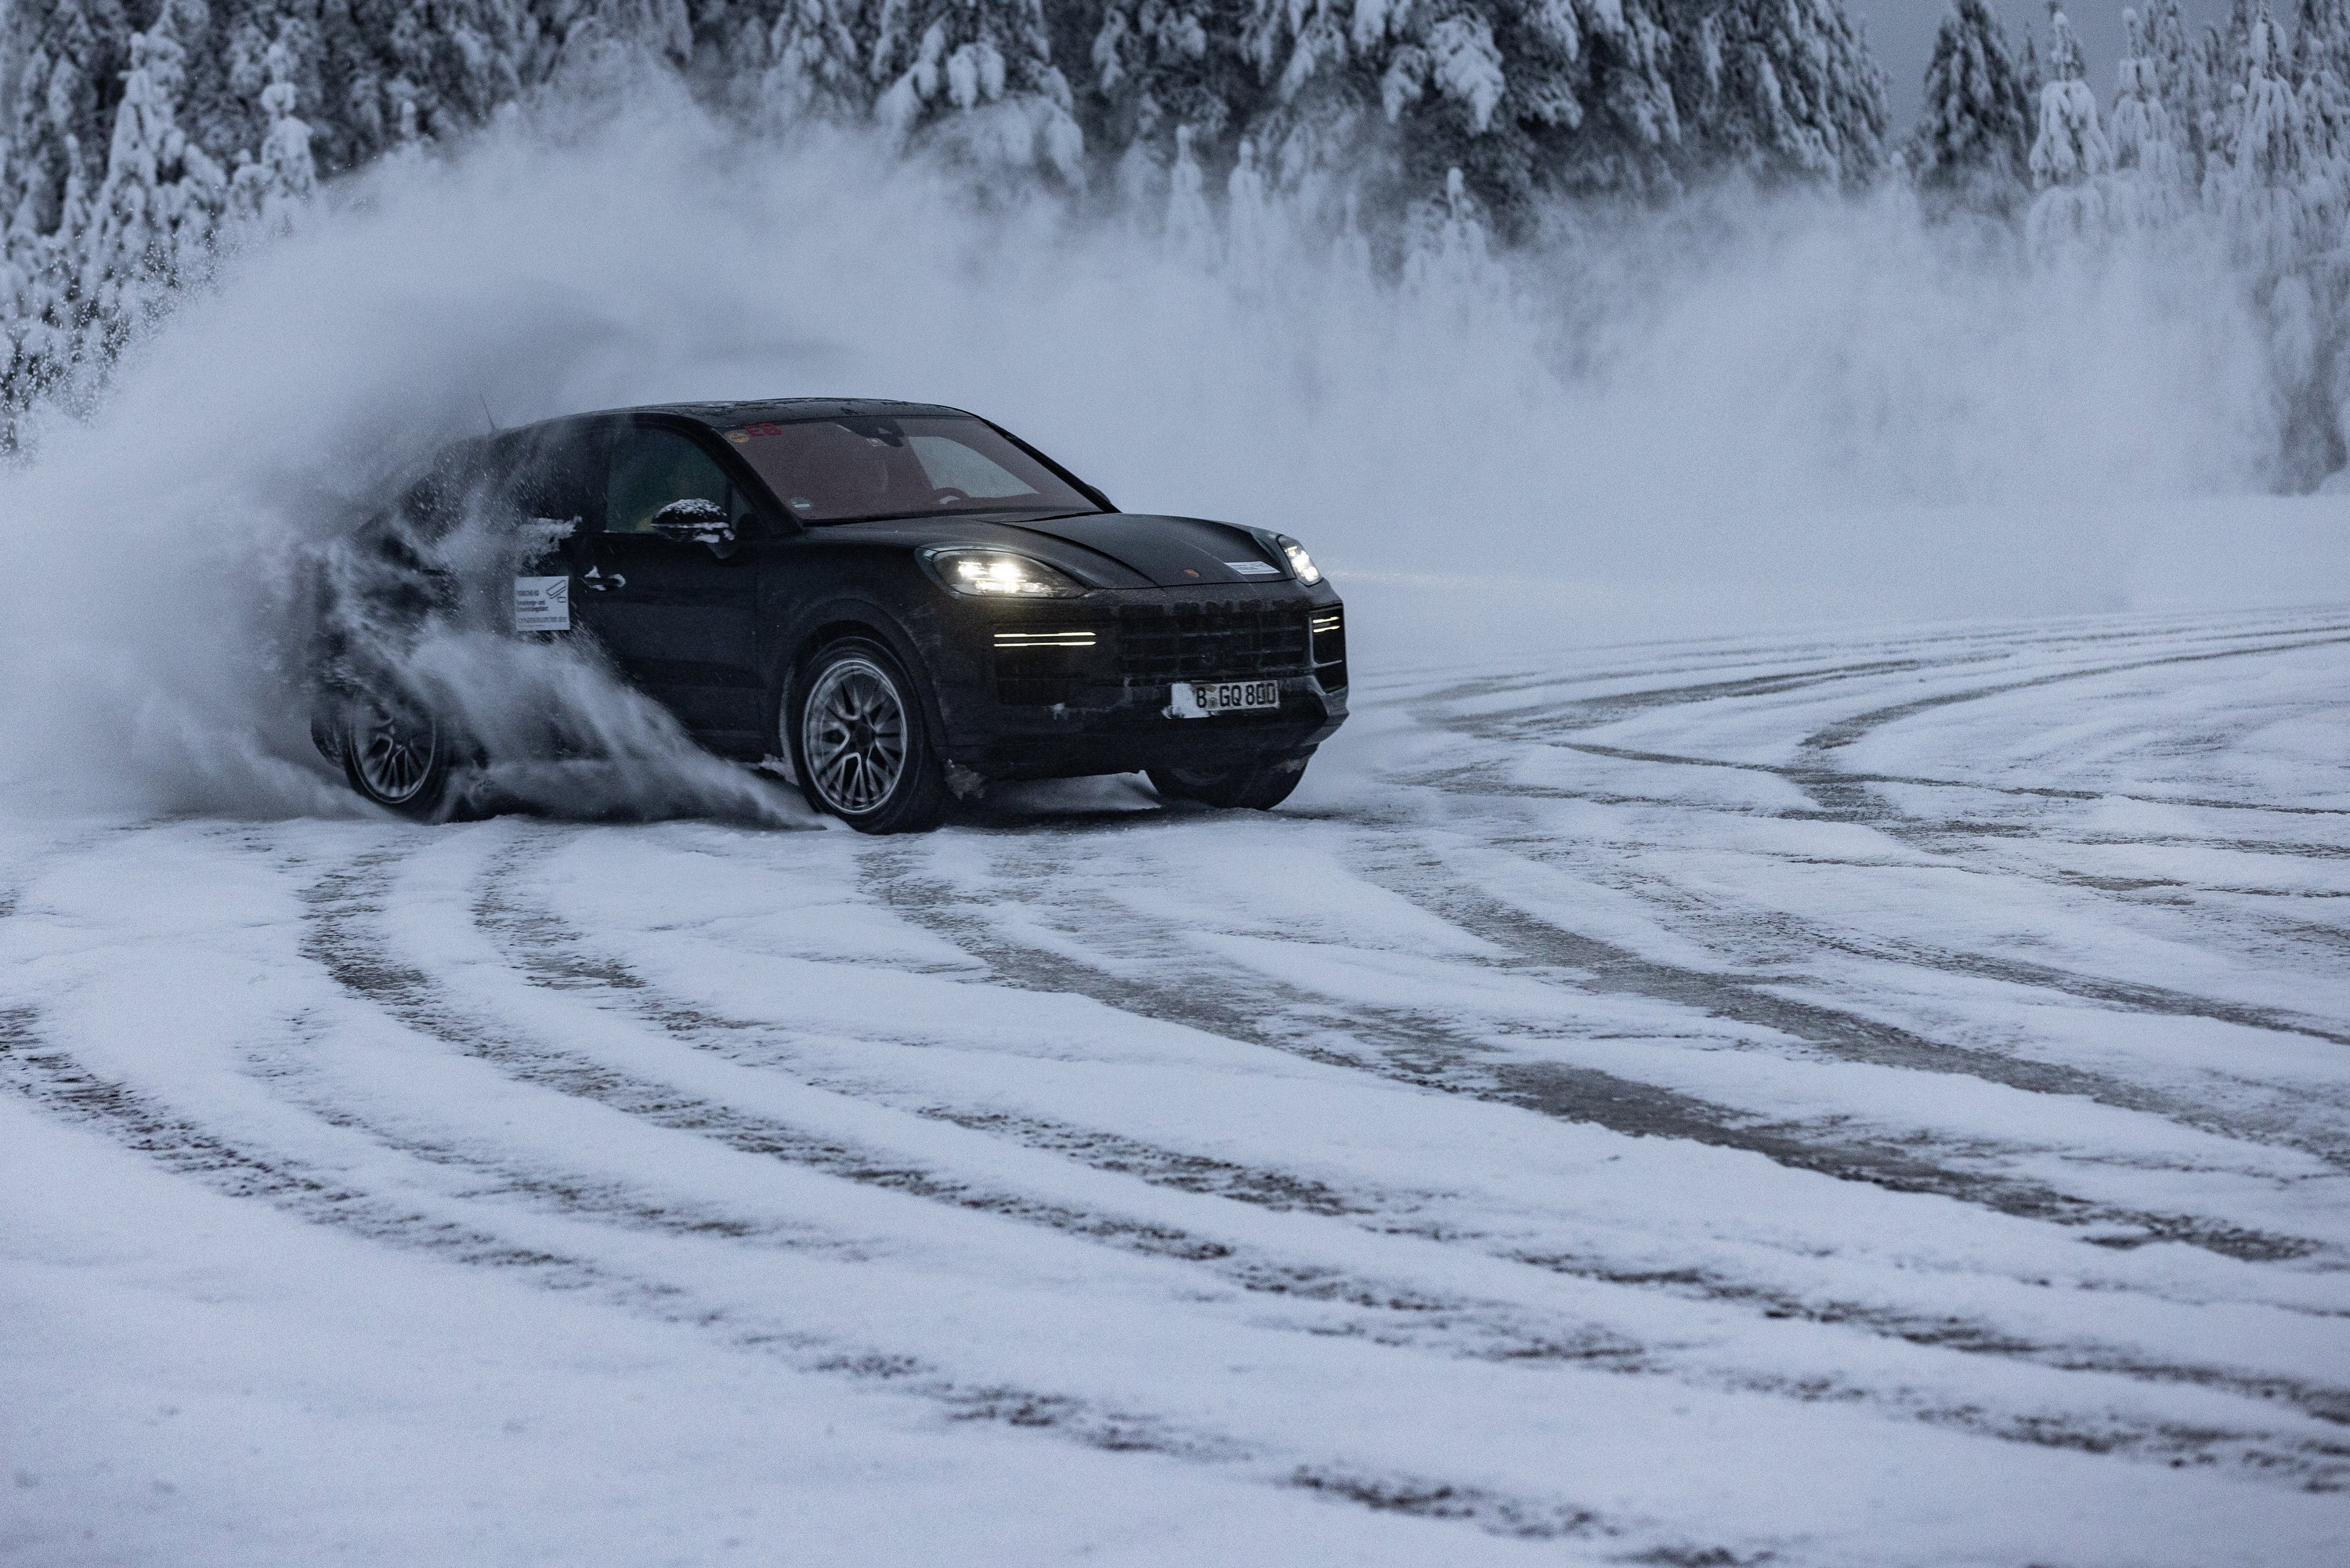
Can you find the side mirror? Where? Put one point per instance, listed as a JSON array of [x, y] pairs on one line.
[[696, 521]]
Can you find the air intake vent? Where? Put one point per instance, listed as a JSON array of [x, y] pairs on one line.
[[1037, 666], [1329, 631]]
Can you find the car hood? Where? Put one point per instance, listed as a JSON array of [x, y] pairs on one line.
[[1170, 552]]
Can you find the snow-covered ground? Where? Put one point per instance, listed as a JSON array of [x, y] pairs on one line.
[[1852, 1101]]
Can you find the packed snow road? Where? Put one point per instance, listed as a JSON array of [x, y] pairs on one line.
[[1849, 1102]]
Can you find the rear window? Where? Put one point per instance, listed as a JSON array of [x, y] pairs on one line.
[[842, 470]]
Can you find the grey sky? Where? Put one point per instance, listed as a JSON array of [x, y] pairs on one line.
[[1901, 36]]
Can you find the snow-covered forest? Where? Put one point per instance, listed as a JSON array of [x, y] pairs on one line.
[[142, 140]]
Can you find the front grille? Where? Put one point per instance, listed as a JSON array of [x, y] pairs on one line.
[[1194, 642]]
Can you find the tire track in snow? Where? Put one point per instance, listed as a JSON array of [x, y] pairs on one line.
[[1855, 1037], [1481, 1328], [50, 1079], [53, 1082], [543, 945], [1432, 1054], [1492, 1332]]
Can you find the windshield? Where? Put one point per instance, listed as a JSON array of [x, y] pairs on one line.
[[841, 470]]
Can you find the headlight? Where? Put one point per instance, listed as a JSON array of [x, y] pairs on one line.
[[997, 574], [1299, 560]]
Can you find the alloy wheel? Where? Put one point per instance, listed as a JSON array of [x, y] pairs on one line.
[[853, 731], [393, 755]]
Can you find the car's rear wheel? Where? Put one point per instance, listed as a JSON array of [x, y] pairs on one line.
[[397, 757], [1256, 786], [859, 744]]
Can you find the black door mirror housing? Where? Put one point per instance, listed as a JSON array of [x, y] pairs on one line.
[[696, 521]]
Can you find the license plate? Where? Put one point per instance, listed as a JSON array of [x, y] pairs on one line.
[[1205, 699]]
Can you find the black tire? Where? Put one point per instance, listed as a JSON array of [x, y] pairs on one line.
[[1254, 786], [397, 757], [861, 743]]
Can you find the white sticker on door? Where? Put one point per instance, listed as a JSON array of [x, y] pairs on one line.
[[541, 604]]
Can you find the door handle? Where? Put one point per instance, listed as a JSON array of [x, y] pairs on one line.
[[596, 582]]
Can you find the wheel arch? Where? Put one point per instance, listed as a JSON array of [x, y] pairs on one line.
[[828, 623]]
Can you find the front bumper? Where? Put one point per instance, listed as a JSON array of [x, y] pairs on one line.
[[1070, 686]]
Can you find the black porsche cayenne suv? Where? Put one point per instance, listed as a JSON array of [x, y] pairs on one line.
[[894, 602]]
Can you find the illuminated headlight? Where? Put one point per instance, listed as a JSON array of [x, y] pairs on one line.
[[998, 575], [1300, 563]]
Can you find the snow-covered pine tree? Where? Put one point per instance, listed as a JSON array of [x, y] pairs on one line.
[[1973, 141], [2220, 66], [2279, 218], [2320, 35], [2071, 155], [1787, 90], [1250, 240], [1159, 65], [790, 61], [2320, 71], [1525, 97], [61, 65], [458, 59], [271, 191], [158, 207], [2186, 84], [1548, 98], [62, 68], [2238, 34], [2258, 189], [1447, 248], [975, 80], [1191, 228], [2149, 185]]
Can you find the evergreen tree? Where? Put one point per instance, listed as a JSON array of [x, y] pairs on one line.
[[1973, 142], [801, 62], [2218, 67], [1525, 97], [1250, 239], [975, 78], [455, 60], [2149, 179], [2270, 192], [2071, 155], [1157, 65], [1191, 228], [2259, 190], [156, 209], [1790, 91], [61, 68], [2185, 84], [276, 187], [1447, 248], [2320, 69]]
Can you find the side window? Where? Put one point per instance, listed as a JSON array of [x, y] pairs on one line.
[[552, 475], [652, 468]]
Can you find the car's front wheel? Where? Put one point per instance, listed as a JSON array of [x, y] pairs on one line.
[[397, 757], [1258, 786], [861, 749]]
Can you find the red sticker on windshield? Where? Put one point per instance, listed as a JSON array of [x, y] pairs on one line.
[[761, 430]]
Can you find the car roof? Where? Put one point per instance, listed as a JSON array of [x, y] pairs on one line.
[[731, 415]]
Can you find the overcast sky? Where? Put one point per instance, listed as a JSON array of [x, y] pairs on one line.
[[1901, 36]]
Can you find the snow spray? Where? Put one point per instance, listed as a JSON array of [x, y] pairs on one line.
[[1743, 411]]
